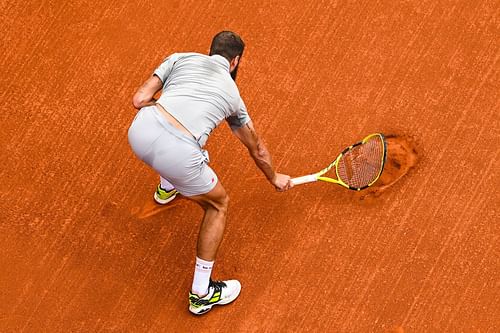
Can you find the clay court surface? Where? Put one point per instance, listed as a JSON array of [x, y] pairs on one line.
[[85, 249]]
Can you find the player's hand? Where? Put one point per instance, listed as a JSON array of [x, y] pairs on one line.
[[282, 182]]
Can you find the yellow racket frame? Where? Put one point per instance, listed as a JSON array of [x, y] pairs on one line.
[[319, 175]]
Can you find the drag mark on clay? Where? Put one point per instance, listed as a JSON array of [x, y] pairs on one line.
[[151, 208]]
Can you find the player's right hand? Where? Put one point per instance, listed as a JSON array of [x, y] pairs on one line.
[[282, 182]]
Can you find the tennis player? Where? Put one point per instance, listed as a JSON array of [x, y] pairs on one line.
[[168, 134]]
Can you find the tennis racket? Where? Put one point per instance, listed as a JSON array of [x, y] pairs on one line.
[[357, 167]]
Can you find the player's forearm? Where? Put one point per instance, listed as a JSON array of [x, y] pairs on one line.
[[144, 96], [262, 159]]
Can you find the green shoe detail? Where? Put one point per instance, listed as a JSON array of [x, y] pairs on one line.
[[164, 197]]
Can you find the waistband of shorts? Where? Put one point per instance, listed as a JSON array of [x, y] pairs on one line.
[[171, 128]]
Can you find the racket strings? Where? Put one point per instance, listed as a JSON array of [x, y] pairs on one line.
[[362, 164]]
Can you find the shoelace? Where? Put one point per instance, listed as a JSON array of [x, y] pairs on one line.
[[217, 285]]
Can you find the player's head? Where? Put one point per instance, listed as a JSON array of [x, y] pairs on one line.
[[230, 46]]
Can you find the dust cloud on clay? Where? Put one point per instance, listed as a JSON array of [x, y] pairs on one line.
[[401, 158]]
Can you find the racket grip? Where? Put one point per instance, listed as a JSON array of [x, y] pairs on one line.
[[304, 179]]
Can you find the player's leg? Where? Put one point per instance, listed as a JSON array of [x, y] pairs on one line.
[[215, 203], [205, 293]]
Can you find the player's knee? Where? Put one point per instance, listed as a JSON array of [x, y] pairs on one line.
[[223, 204]]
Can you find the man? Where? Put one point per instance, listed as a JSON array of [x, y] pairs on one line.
[[198, 92]]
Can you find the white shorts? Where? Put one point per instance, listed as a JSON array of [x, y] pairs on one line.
[[176, 156]]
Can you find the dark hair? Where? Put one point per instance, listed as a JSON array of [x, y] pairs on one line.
[[227, 44]]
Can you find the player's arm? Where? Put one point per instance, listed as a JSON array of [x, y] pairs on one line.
[[258, 151], [144, 95]]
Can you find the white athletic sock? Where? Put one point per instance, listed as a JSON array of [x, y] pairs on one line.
[[165, 184], [201, 279]]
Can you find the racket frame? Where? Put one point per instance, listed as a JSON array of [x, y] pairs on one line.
[[319, 175]]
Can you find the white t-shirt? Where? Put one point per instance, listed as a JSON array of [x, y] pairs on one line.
[[199, 92]]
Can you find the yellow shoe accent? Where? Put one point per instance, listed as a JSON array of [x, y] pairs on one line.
[[164, 197]]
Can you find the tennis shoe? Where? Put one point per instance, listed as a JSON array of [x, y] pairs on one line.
[[163, 197], [219, 293]]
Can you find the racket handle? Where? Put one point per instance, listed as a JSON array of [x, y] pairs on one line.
[[304, 179]]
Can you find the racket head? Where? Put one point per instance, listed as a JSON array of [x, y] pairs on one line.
[[360, 165]]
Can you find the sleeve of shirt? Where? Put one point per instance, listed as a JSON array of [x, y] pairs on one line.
[[239, 118], [164, 70]]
